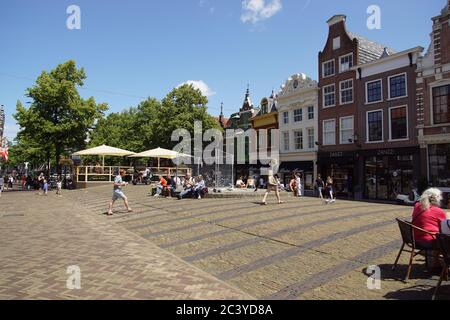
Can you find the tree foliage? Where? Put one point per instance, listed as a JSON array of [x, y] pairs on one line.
[[58, 119], [150, 125]]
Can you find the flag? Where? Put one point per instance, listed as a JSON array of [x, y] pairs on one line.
[[4, 152]]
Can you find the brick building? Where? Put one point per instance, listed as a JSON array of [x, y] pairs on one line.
[[388, 159], [433, 104], [339, 146]]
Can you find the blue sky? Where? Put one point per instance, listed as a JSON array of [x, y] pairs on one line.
[[139, 48]]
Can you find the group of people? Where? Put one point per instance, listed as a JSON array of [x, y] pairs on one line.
[[187, 187], [325, 189], [181, 187]]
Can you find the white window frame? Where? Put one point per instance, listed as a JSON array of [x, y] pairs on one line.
[[406, 85], [302, 140], [323, 96], [285, 118], [301, 115], [340, 129], [308, 130], [313, 112], [367, 91], [286, 147], [340, 62], [340, 92], [323, 132], [439, 83], [323, 68], [390, 123], [382, 126]]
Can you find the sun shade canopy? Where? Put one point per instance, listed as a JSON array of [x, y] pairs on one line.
[[105, 151]]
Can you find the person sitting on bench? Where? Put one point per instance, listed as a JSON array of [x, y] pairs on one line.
[[188, 187]]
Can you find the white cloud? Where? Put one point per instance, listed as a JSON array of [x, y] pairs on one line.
[[259, 10], [201, 85], [207, 4]]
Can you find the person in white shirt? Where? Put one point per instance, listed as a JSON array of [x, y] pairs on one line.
[[199, 187]]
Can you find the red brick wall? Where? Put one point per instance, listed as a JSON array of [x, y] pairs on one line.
[[347, 46], [409, 101]]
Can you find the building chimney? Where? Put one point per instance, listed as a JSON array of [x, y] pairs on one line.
[[337, 18]]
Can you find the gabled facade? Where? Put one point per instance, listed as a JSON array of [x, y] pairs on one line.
[[298, 123], [339, 146]]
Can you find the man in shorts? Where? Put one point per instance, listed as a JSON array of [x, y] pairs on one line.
[[118, 193]]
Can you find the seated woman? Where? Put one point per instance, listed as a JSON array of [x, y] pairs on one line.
[[161, 186], [428, 216], [251, 183], [240, 183], [199, 187], [188, 186]]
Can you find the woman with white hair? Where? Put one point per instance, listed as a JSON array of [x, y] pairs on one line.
[[428, 216]]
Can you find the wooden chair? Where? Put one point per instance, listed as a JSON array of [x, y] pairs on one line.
[[407, 232], [444, 247]]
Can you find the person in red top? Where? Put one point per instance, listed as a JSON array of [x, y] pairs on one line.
[[162, 186], [428, 216]]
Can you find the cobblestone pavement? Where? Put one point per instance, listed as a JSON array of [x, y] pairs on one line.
[[42, 236], [301, 249]]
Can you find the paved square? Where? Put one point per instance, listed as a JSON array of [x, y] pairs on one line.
[[232, 248]]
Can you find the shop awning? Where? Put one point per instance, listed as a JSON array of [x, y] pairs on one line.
[[293, 166]]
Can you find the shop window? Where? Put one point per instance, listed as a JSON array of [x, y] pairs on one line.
[[439, 159]]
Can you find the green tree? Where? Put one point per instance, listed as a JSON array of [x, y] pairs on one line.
[[58, 119], [151, 123], [179, 110]]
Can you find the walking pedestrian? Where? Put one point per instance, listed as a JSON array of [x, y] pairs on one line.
[[298, 180], [118, 193], [273, 185], [45, 188], [2, 182], [320, 185], [58, 185], [329, 186]]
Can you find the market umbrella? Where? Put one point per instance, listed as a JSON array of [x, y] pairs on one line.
[[160, 153], [104, 151]]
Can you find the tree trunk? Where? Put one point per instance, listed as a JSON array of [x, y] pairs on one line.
[[57, 159]]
